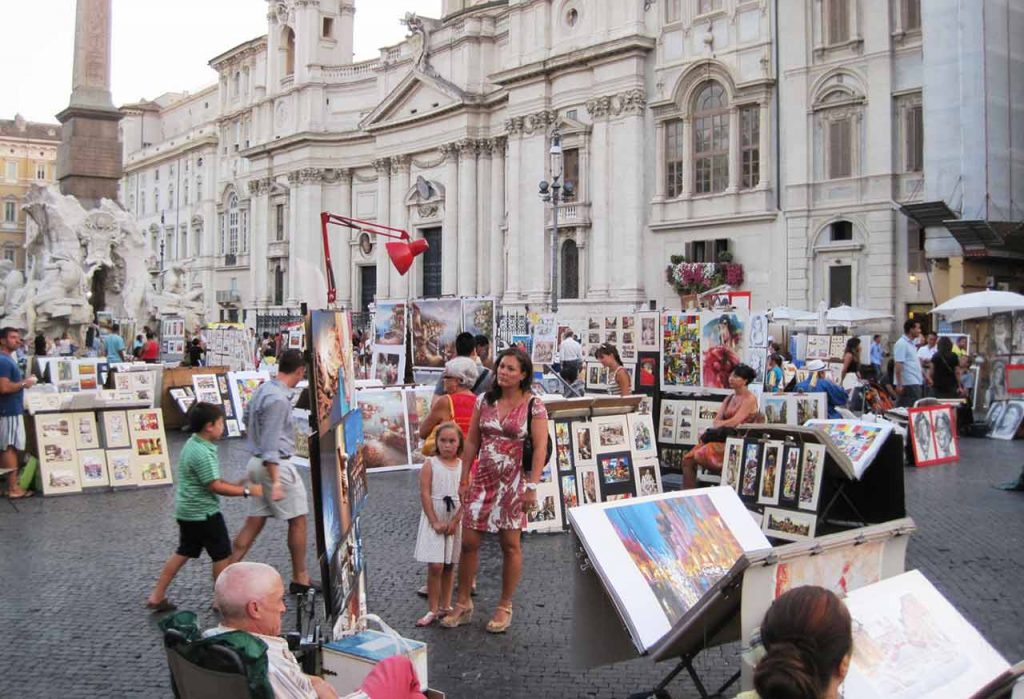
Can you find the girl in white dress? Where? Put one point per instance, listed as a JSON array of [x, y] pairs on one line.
[[440, 534]]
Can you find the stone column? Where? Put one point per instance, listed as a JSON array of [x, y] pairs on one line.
[[400, 219], [496, 248], [483, 215], [467, 218], [661, 186], [687, 185], [306, 256], [764, 146], [603, 185], [383, 168], [292, 290], [628, 208], [450, 239], [734, 150], [510, 249], [341, 248], [89, 156], [259, 225]]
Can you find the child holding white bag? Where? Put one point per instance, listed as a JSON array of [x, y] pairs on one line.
[[440, 533]]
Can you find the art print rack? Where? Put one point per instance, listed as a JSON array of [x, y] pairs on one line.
[[851, 492]]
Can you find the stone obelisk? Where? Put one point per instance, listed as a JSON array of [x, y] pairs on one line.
[[89, 157]]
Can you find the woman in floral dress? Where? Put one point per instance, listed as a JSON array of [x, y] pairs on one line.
[[499, 494]]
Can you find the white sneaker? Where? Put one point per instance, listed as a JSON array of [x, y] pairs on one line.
[[422, 592]]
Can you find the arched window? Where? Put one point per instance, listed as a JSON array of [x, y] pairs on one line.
[[711, 139], [570, 272], [289, 51], [232, 248]]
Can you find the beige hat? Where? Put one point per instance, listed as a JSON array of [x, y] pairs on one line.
[[462, 368], [815, 365]]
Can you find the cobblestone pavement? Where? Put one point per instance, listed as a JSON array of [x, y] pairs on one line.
[[76, 570]]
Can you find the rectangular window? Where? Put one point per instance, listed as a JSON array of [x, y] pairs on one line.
[[328, 28], [839, 147], [40, 171], [10, 212], [911, 15], [706, 250], [838, 21], [432, 263], [705, 6], [673, 10], [711, 153], [571, 168], [9, 253], [674, 158], [840, 286], [916, 260], [367, 287], [750, 146], [280, 222], [11, 170], [914, 139]]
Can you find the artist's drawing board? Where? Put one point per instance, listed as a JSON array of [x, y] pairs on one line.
[[634, 597], [839, 562]]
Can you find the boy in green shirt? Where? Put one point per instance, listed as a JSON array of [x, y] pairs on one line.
[[200, 523]]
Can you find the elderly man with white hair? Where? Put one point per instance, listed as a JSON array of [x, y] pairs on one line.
[[250, 597]]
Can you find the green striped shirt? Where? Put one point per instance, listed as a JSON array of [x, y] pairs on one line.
[[197, 468]]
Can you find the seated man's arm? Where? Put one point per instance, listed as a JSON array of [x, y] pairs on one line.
[[323, 690]]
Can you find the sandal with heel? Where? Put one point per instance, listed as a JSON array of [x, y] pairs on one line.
[[458, 616], [501, 626]]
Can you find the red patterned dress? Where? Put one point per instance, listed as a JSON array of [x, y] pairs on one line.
[[495, 499]]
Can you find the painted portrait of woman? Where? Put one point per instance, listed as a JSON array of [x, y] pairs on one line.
[[722, 339]]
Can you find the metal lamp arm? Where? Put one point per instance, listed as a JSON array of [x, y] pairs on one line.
[[368, 226]]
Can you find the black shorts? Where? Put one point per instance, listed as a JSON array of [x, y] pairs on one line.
[[210, 534]]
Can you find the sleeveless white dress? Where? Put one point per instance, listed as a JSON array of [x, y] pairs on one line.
[[432, 547]]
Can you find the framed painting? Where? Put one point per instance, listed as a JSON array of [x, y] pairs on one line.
[[93, 468]]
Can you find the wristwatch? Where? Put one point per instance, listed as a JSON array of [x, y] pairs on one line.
[[531, 486], [246, 492]]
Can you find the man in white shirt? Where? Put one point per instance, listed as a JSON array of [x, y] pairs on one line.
[[250, 597], [571, 352], [927, 350]]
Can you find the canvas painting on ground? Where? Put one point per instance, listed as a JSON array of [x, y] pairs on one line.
[[206, 388], [385, 432], [586, 479], [389, 324], [152, 470], [659, 555], [1004, 418], [417, 403], [776, 409], [54, 427], [242, 385], [59, 469], [93, 466], [435, 323], [681, 350], [333, 382], [141, 421], [909, 641], [722, 339], [648, 476], [611, 434], [388, 367], [641, 435]]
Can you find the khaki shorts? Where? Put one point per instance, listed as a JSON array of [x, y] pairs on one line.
[[292, 505]]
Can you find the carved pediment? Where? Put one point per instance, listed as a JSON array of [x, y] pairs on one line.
[[419, 95]]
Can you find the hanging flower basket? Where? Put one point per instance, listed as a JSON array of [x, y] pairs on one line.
[[697, 277]]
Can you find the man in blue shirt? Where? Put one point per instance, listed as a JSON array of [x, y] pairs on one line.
[[271, 444], [877, 355], [114, 345], [907, 373], [12, 407]]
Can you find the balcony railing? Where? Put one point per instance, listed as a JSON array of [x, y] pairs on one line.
[[229, 296]]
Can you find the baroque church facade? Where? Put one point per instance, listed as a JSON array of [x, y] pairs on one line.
[[782, 132]]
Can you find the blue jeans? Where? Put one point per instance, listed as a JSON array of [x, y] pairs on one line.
[[910, 395]]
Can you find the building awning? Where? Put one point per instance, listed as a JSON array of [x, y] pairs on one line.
[[929, 213], [980, 238]]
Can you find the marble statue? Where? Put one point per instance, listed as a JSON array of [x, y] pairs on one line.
[[66, 247]]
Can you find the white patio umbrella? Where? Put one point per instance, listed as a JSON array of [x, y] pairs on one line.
[[785, 314], [980, 304], [849, 315]]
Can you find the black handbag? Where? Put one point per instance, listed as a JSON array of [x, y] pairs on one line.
[[528, 442]]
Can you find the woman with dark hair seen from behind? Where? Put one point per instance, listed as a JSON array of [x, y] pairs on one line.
[[945, 370], [498, 495], [851, 364], [808, 641], [619, 384], [737, 409]]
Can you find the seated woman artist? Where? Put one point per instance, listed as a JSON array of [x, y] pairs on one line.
[[737, 409], [808, 641]]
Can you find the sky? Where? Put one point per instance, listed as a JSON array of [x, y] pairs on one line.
[[158, 45]]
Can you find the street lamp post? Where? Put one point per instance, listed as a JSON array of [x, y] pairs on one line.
[[555, 191]]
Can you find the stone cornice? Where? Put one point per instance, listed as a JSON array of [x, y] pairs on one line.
[[529, 123], [635, 43], [307, 175], [260, 186]]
